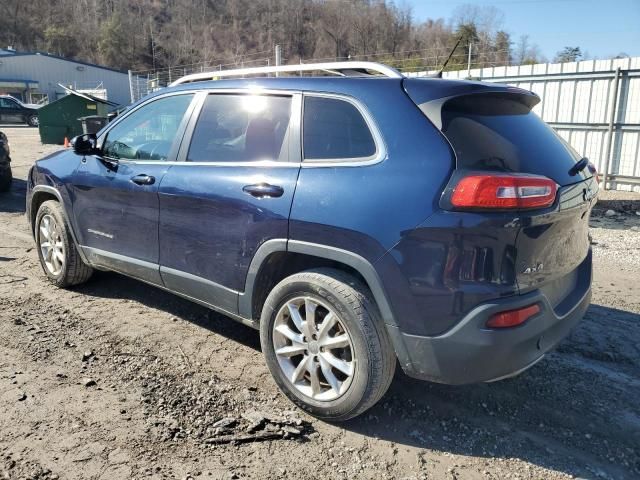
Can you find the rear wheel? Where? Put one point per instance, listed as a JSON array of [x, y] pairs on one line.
[[33, 121], [325, 345], [58, 253]]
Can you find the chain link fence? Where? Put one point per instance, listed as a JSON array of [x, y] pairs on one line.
[[144, 82]]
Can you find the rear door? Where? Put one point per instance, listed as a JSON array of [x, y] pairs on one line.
[[496, 132], [231, 192], [115, 201]]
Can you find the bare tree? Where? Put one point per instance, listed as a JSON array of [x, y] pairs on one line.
[[154, 34], [527, 52]]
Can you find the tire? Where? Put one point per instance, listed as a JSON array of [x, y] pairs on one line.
[[63, 267], [33, 121], [6, 178], [368, 352]]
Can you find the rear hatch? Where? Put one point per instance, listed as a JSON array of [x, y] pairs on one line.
[[494, 133]]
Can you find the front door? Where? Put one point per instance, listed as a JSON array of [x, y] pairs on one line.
[[115, 201], [10, 111], [231, 193]]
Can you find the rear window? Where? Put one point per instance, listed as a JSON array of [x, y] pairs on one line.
[[496, 132], [335, 130]]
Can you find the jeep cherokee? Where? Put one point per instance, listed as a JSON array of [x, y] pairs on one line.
[[356, 220]]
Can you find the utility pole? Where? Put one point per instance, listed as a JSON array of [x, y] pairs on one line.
[[469, 60], [612, 120], [153, 47], [133, 98], [278, 57]]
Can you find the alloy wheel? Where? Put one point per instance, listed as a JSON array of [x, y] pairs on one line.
[[313, 348], [51, 244]]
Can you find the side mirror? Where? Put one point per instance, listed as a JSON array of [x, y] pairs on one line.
[[85, 144]]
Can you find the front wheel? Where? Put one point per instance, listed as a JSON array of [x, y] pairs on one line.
[[324, 344], [33, 121], [57, 251]]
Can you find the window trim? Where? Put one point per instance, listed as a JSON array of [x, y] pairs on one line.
[[293, 137], [381, 151], [296, 140]]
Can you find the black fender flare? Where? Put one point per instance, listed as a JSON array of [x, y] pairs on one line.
[[31, 215], [355, 261]]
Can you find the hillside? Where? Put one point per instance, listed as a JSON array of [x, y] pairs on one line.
[[154, 34]]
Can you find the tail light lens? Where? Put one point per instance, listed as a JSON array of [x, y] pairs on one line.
[[513, 318], [504, 191], [594, 171]]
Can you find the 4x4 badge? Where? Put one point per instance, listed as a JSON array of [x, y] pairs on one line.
[[535, 269]]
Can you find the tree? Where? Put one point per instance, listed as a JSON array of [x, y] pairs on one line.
[[502, 48], [336, 24], [158, 34], [568, 54], [528, 53], [113, 43], [61, 41], [468, 34]]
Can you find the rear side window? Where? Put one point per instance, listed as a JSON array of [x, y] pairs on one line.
[[241, 128], [500, 133], [335, 130]]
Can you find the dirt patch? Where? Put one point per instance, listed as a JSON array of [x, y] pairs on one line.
[[117, 379]]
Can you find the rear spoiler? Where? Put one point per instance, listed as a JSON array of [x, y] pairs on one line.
[[430, 94]]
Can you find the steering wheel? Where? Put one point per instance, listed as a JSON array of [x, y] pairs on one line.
[[147, 151]]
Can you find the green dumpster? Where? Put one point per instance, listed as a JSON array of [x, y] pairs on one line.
[[60, 119]]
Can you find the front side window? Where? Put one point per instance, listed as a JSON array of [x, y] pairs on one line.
[[335, 130], [149, 132], [241, 128], [6, 103]]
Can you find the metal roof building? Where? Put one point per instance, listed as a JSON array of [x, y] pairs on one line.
[[33, 76]]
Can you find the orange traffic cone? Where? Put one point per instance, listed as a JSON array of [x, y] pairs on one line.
[[66, 142]]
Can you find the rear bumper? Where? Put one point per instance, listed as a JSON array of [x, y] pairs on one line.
[[471, 353]]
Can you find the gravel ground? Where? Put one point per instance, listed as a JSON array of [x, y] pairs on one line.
[[117, 380]]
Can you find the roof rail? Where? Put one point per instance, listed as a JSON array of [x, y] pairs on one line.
[[337, 68]]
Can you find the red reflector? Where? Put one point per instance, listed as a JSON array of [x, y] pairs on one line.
[[512, 318], [594, 171], [504, 191]]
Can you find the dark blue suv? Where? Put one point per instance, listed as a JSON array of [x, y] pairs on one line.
[[353, 219]]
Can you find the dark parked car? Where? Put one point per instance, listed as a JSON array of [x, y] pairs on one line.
[[14, 111], [353, 220], [5, 163]]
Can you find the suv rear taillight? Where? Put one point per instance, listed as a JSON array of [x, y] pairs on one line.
[[504, 192], [593, 171]]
